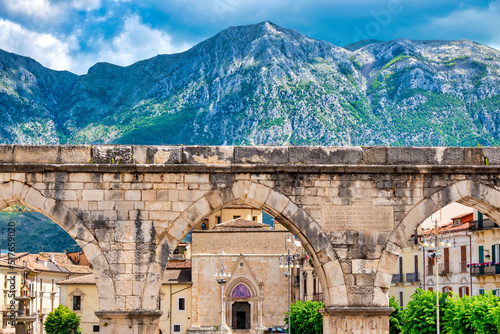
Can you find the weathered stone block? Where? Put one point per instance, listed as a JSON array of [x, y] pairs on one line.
[[261, 155], [108, 154], [36, 154], [474, 156], [325, 155], [72, 154], [210, 155], [276, 202], [6, 153], [360, 266], [93, 195], [412, 156], [374, 155], [163, 155]]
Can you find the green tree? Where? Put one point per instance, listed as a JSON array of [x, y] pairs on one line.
[[420, 313], [306, 318], [62, 321], [396, 317]]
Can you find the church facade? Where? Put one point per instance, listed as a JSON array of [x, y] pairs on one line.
[[254, 297]]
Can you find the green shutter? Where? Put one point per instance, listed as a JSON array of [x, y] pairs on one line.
[[481, 254], [481, 291]]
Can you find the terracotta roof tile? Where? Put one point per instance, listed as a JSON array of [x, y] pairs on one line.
[[179, 265]]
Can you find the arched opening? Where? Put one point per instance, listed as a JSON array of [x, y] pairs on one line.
[[48, 244], [266, 308], [447, 242]]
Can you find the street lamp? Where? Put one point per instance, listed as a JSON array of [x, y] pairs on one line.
[[289, 261], [436, 255], [220, 273]]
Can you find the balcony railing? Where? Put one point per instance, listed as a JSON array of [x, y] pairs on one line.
[[398, 278], [178, 257], [444, 270], [411, 242], [412, 277], [485, 271], [484, 224], [318, 297]]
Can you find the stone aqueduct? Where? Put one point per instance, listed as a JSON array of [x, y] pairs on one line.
[[353, 209]]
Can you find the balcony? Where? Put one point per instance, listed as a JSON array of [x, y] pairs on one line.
[[318, 297], [484, 224], [397, 278], [485, 271], [178, 257], [444, 270], [412, 277]]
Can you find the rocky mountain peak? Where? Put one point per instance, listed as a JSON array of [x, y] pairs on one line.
[[264, 84]]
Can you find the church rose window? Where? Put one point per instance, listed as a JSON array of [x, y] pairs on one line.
[[241, 291]]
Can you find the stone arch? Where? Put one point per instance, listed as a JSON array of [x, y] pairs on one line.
[[468, 192], [282, 208], [15, 192]]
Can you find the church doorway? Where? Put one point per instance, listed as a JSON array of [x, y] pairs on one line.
[[241, 315]]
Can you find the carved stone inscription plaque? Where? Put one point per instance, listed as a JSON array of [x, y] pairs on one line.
[[359, 216]]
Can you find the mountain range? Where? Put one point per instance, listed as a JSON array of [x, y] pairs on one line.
[[263, 84]]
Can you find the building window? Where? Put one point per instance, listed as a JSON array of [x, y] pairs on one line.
[[481, 291], [400, 298], [218, 219], [177, 328], [463, 291], [95, 328], [203, 226], [182, 304], [236, 217], [77, 303], [254, 218]]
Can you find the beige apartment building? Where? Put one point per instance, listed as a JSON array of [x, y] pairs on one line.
[[12, 280], [41, 272], [416, 268], [80, 295], [485, 266]]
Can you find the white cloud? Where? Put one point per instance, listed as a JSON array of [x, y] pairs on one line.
[[137, 41], [85, 4], [44, 48], [479, 24], [37, 12]]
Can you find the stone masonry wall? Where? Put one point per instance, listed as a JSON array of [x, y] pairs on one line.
[[352, 208]]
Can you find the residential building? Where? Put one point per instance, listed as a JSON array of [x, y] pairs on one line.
[[13, 278], [485, 267], [80, 295], [39, 282], [417, 267]]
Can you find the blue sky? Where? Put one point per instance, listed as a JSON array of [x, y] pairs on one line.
[[75, 34]]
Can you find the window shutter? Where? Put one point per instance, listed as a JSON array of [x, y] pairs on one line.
[[494, 251], [467, 291], [481, 254], [481, 291]]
